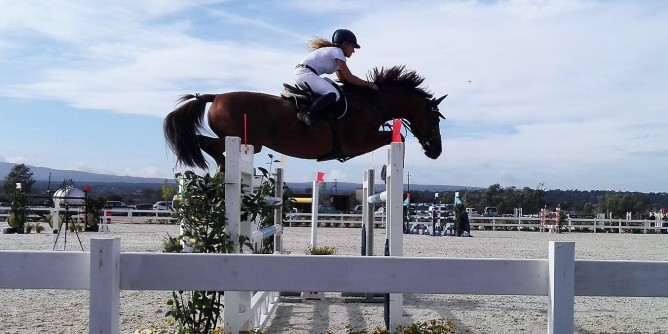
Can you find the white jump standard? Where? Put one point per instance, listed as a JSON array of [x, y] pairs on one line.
[[393, 197]]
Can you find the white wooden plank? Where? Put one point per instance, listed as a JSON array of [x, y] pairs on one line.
[[44, 270], [105, 293], [333, 273], [621, 278]]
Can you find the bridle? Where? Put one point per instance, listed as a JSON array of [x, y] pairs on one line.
[[433, 116], [432, 108]]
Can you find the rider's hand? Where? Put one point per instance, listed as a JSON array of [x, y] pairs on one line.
[[373, 86]]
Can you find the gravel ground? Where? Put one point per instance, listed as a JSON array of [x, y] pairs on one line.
[[66, 311]]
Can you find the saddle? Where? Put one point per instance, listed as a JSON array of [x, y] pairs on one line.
[[304, 98]]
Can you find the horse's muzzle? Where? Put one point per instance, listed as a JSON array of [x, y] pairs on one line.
[[432, 147]]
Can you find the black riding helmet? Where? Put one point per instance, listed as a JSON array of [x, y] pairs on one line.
[[344, 35]]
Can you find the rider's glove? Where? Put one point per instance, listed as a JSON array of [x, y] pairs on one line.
[[373, 86]]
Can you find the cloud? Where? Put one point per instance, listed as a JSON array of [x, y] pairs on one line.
[[554, 85], [17, 160]]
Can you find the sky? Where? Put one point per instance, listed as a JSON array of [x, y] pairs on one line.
[[567, 94]]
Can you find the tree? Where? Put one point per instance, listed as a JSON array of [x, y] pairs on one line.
[[19, 175], [168, 191], [533, 200]]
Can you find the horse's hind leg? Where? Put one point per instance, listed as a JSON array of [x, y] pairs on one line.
[[215, 147]]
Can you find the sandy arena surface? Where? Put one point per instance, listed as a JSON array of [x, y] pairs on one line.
[[66, 311]]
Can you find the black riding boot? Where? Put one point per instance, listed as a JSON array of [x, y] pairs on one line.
[[311, 119], [322, 102]]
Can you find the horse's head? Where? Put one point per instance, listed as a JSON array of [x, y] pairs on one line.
[[425, 127], [403, 97]]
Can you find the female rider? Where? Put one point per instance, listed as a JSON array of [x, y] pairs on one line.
[[326, 58]]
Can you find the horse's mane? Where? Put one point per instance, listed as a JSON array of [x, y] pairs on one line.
[[399, 76]]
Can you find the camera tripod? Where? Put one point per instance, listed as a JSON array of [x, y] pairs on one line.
[[67, 219]]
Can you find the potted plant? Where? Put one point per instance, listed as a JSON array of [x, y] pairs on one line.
[[28, 228], [39, 228], [94, 208]]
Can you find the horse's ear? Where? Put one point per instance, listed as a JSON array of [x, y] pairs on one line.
[[436, 102]]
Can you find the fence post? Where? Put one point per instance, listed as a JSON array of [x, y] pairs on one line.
[[394, 223], [105, 286], [278, 212], [560, 317], [315, 215]]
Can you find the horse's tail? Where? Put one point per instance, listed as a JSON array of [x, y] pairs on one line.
[[183, 125]]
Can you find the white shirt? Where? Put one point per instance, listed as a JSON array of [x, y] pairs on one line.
[[323, 60]]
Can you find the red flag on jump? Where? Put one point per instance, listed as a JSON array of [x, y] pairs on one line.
[[396, 131], [321, 177]]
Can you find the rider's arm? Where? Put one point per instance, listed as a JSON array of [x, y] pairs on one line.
[[344, 74]]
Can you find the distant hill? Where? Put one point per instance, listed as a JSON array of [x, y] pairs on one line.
[[58, 175], [79, 177]]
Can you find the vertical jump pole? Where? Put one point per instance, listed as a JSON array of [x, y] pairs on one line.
[[278, 213], [367, 213], [395, 233], [314, 214], [238, 173]]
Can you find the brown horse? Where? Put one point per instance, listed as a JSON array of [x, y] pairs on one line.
[[271, 121]]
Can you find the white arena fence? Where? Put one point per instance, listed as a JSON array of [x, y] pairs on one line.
[[105, 271], [114, 215], [355, 220], [494, 223]]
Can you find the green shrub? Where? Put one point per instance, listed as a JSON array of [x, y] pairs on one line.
[[201, 211], [171, 244], [323, 250], [434, 326]]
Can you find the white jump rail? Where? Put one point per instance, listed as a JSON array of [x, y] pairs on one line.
[[105, 271], [393, 197]]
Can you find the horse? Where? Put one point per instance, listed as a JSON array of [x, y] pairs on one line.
[[267, 120]]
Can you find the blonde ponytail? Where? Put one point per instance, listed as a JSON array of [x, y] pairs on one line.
[[317, 43]]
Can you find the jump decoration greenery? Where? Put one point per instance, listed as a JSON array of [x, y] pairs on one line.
[[201, 210], [434, 326], [323, 250], [18, 216], [94, 208]]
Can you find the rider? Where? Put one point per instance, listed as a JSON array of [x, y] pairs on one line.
[[326, 58]]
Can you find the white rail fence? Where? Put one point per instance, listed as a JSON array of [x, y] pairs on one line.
[[36, 214], [497, 223], [105, 271], [614, 225]]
